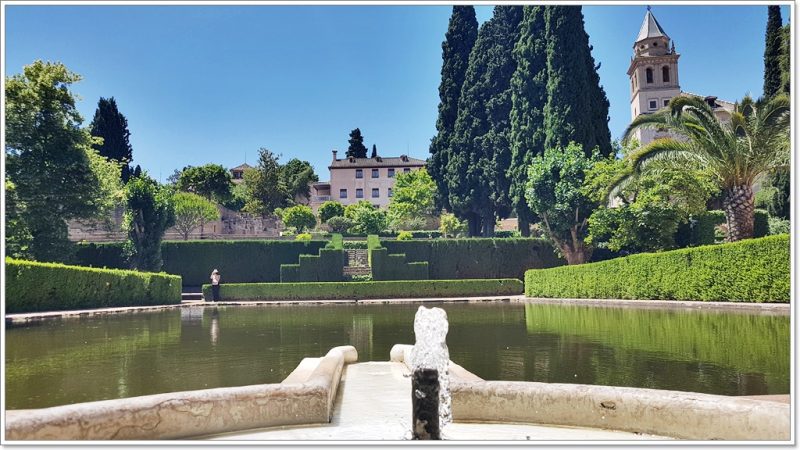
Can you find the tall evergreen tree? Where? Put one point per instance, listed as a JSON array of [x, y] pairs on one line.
[[577, 107], [109, 124], [528, 97], [356, 148], [772, 52], [480, 153], [374, 151], [462, 32], [785, 63]]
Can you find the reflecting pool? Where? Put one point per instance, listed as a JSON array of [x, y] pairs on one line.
[[62, 361]]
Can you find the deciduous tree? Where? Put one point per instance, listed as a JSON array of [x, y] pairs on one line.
[[413, 197], [329, 210], [149, 213], [192, 211], [300, 217], [210, 181]]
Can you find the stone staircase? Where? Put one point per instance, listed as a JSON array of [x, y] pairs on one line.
[[357, 262]]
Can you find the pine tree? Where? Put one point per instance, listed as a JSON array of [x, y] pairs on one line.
[[462, 32], [528, 97], [480, 154], [356, 148], [109, 124], [772, 52], [577, 107], [374, 152]]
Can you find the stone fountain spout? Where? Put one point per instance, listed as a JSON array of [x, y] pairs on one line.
[[430, 384]]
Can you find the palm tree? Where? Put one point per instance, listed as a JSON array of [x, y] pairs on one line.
[[755, 141]]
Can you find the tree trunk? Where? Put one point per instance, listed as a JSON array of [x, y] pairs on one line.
[[474, 225], [523, 226], [739, 209], [488, 226]]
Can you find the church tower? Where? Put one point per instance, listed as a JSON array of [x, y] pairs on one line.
[[653, 73]]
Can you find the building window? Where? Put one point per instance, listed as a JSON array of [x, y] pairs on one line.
[[359, 193], [342, 193], [666, 102], [391, 173], [359, 173], [375, 173], [406, 170], [376, 193], [390, 192], [665, 74], [653, 104], [649, 75]]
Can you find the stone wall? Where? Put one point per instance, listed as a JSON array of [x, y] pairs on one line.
[[232, 225]]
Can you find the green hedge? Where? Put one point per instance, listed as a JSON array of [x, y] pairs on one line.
[[394, 267], [356, 290], [108, 255], [753, 270], [327, 266], [760, 223], [337, 242], [478, 257], [33, 286], [237, 261], [700, 230]]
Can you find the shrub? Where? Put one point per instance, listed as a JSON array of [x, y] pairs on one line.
[[477, 257], [327, 266], [450, 226], [109, 255], [336, 242], [33, 286], [405, 236], [303, 237], [365, 290], [760, 223], [700, 229], [779, 226], [753, 270], [339, 224], [354, 244], [366, 218], [329, 210], [299, 217]]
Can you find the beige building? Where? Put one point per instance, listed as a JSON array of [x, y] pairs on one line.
[[237, 173], [356, 179], [653, 74]]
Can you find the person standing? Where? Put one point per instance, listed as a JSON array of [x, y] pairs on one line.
[[215, 285]]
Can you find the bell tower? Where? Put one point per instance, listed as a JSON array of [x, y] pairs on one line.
[[653, 73]]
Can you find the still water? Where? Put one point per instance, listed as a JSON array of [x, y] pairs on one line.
[[65, 361]]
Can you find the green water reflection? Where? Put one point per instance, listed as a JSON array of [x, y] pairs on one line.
[[75, 360]]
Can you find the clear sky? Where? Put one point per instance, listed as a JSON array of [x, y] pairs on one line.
[[203, 84]]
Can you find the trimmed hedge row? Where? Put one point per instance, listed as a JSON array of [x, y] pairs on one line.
[[237, 261], [357, 290], [34, 286], [478, 257], [703, 229], [327, 266], [394, 267], [753, 270]]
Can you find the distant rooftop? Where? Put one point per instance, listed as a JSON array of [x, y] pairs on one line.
[[244, 166], [650, 28], [392, 161]]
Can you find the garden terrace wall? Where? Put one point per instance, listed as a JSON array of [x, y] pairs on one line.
[[358, 290], [753, 270], [248, 261], [477, 257], [34, 287]]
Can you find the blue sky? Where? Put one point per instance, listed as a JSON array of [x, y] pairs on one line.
[[203, 84]]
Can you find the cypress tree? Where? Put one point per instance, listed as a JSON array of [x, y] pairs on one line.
[[462, 32], [576, 108], [772, 52], [356, 148], [528, 97], [785, 63], [374, 151], [109, 124], [480, 152]]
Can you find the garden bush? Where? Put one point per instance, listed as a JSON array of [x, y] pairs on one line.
[[367, 289], [700, 230], [327, 266], [760, 223], [34, 286], [477, 257], [779, 226], [753, 270]]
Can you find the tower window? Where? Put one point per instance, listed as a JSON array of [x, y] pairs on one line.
[[649, 75], [665, 74]]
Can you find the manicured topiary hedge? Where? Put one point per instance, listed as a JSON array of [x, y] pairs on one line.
[[393, 267], [356, 290], [238, 261], [327, 266], [753, 270], [33, 286], [478, 257]]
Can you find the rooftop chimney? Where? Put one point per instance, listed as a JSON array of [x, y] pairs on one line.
[[334, 155]]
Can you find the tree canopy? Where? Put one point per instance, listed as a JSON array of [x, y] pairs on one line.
[[413, 198], [110, 125], [356, 148], [265, 186], [300, 217], [297, 175], [192, 211], [150, 212], [773, 51], [210, 181]]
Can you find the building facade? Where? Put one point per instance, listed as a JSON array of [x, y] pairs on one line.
[[654, 81], [356, 179]]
